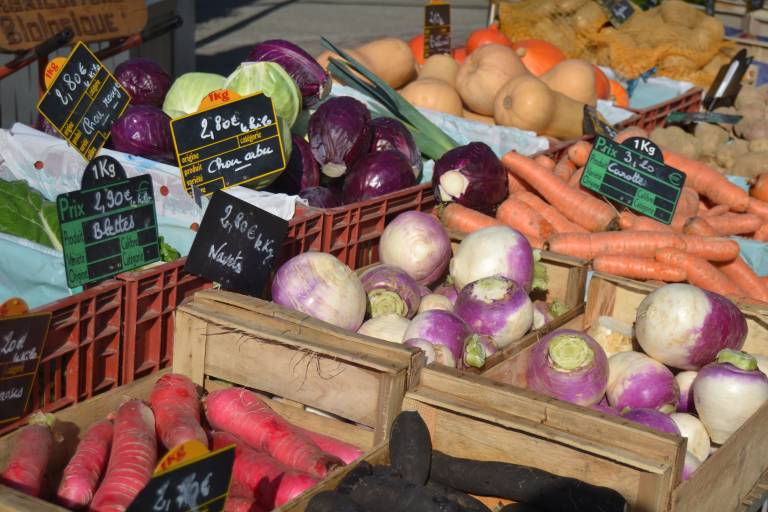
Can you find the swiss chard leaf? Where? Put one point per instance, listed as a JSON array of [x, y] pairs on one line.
[[25, 213]]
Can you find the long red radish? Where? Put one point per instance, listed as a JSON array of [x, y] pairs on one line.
[[344, 451], [735, 223], [176, 405], [132, 460], [635, 267], [518, 215], [699, 271], [549, 213], [459, 218], [30, 453], [272, 483], [579, 207], [244, 414], [84, 470], [708, 182]]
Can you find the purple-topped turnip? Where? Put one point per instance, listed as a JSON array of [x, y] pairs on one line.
[[339, 134], [693, 429], [390, 290], [685, 327], [637, 381], [417, 243], [434, 353], [692, 463], [684, 381], [497, 307], [449, 291], [478, 349], [652, 418], [568, 365], [389, 327], [435, 301], [440, 328], [727, 392]]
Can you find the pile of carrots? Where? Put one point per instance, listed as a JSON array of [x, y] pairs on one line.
[[548, 205]]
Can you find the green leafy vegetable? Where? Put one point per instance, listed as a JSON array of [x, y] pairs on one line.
[[25, 213], [167, 252], [188, 91], [273, 81]]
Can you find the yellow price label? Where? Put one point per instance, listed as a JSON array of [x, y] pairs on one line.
[[52, 70], [183, 453], [218, 97]]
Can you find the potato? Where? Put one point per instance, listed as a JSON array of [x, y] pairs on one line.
[[710, 137], [758, 145], [757, 129], [728, 153], [675, 139], [750, 164]]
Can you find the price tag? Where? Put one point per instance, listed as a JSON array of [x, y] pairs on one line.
[[84, 101], [228, 145], [198, 485], [110, 225], [727, 84], [634, 174], [52, 70], [218, 97], [437, 29], [183, 453], [22, 339], [702, 117], [595, 123], [236, 245], [618, 11]]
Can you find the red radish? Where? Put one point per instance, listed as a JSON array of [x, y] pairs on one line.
[[132, 461], [82, 474], [176, 405], [345, 451], [273, 483], [29, 457], [245, 415]]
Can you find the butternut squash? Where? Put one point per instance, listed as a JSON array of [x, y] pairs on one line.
[[575, 78], [484, 73], [324, 59], [528, 103], [440, 67], [468, 114], [434, 95], [391, 59]]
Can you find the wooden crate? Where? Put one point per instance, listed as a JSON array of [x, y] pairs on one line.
[[726, 478]]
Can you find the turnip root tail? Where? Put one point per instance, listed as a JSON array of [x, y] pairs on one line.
[[28, 461]]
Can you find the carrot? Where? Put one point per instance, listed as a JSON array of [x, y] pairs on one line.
[[346, 452], [30, 453], [711, 248], [272, 483], [459, 218], [758, 207], [550, 213], [735, 223], [631, 131], [764, 279], [244, 414], [564, 168], [82, 474], [545, 161], [687, 206], [628, 243], [515, 184], [176, 406], [761, 235], [579, 207], [518, 215], [132, 459], [717, 210], [635, 267], [703, 208], [630, 221], [708, 182], [578, 153], [700, 272], [536, 242]]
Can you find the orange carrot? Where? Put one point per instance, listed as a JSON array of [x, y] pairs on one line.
[[635, 267], [579, 207], [711, 248], [545, 161], [630, 221], [758, 207], [717, 210], [761, 235], [703, 208], [632, 131], [700, 272], [708, 182], [575, 180], [564, 169], [579, 153], [764, 279], [688, 204], [627, 243], [459, 218], [536, 242], [735, 223], [550, 213], [518, 215], [515, 184]]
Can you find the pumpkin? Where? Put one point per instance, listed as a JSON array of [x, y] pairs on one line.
[[324, 59], [619, 94], [602, 87], [538, 56], [575, 78], [434, 95], [487, 35], [468, 114], [460, 54], [440, 67], [417, 48], [391, 60], [485, 71]]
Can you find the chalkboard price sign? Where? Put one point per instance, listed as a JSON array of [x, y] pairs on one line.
[[198, 485], [618, 11], [634, 174], [229, 144], [236, 245], [595, 124], [84, 101], [437, 29], [109, 226], [22, 339]]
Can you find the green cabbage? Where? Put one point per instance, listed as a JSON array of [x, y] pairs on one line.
[[188, 91], [272, 80], [25, 213]]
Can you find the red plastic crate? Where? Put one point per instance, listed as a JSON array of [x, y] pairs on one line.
[[352, 232], [656, 115], [82, 352]]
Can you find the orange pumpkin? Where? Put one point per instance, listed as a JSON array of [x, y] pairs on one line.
[[619, 94], [538, 56], [417, 48], [602, 86], [487, 35], [459, 54]]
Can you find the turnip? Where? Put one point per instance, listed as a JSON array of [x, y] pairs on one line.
[[611, 334], [86, 467], [435, 301], [176, 406], [727, 392], [692, 463], [653, 419], [391, 290], [390, 327], [417, 243], [434, 353], [440, 328], [637, 381], [29, 456], [693, 429], [448, 290], [685, 327], [477, 350], [568, 365], [684, 381], [762, 362]]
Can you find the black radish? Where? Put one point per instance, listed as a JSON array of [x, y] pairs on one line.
[[464, 500], [410, 447]]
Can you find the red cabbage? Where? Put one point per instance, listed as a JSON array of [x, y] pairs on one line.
[[321, 197], [339, 134], [377, 174], [301, 172], [472, 176], [390, 133], [144, 130], [145, 81], [313, 81]]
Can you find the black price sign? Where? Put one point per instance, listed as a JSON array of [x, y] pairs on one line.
[[437, 29], [198, 485], [110, 225], [618, 11], [236, 245], [595, 124], [84, 101], [634, 174], [22, 339], [727, 84], [229, 145]]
